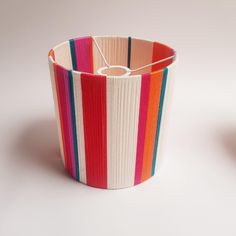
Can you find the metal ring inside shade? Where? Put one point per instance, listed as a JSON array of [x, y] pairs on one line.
[[100, 70], [129, 71]]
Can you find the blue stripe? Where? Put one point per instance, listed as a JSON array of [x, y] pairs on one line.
[[163, 88], [72, 52], [72, 106]]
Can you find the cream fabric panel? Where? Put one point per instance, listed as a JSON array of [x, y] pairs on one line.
[[114, 49], [165, 114], [79, 126], [123, 99], [141, 54], [63, 56]]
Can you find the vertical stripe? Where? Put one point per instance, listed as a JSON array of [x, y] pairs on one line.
[[142, 126], [163, 87], [129, 52], [84, 54], [165, 114], [123, 97], [79, 126], [56, 108], [95, 131], [63, 55], [114, 49], [159, 52], [62, 84], [73, 122], [152, 115], [51, 54], [73, 56], [66, 163], [141, 54]]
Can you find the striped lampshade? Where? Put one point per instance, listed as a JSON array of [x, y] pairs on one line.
[[109, 125]]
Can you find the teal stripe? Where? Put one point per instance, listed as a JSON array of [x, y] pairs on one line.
[[72, 105], [72, 52], [163, 88]]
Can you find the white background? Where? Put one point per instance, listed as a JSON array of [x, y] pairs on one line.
[[194, 191]]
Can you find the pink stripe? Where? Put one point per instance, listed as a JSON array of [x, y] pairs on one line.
[[83, 51], [63, 91], [145, 85]]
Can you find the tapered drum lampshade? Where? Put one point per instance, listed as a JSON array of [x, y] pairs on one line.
[[110, 96]]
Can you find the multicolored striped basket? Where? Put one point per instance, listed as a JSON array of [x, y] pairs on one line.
[[109, 125]]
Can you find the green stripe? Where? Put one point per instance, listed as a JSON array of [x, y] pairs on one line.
[[72, 52], [72, 105], [163, 88]]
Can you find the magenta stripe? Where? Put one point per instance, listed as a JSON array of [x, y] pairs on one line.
[[145, 85], [63, 92], [83, 51]]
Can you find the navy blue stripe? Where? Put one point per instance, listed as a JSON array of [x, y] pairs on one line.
[[129, 52], [72, 52], [163, 88], [72, 106]]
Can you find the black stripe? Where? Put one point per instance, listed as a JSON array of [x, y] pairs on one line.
[[129, 52]]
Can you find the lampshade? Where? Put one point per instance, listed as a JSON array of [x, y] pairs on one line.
[[109, 95]]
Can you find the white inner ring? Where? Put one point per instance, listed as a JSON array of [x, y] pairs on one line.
[[100, 70]]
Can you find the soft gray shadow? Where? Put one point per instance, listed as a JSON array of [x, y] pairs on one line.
[[228, 139], [37, 144]]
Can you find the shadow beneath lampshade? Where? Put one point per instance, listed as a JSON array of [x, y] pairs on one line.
[[37, 145], [228, 139]]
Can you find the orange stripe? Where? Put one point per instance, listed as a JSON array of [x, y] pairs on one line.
[[51, 54], [61, 123], [152, 116]]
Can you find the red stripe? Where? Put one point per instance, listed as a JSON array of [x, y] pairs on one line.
[[60, 115], [84, 54], [159, 52], [95, 130], [61, 79], [145, 86]]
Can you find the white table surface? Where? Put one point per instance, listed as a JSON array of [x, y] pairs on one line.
[[194, 191]]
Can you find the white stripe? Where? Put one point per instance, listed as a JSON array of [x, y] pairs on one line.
[[123, 98], [110, 46], [56, 107], [165, 114], [79, 126], [141, 54], [63, 55]]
